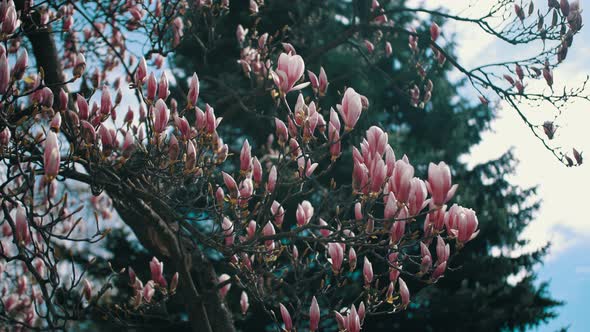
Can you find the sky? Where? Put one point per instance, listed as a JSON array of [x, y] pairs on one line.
[[563, 219]]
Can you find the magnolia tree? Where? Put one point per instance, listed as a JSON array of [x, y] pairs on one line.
[[74, 158]]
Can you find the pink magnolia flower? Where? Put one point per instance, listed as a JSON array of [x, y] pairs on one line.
[[519, 12], [21, 65], [161, 116], [174, 283], [157, 271], [241, 33], [159, 60], [304, 213], [443, 250], [193, 91], [286, 317], [378, 176], [226, 287], [244, 304], [358, 213], [370, 226], [251, 229], [389, 160], [173, 149], [253, 7], [87, 290], [88, 131], [220, 196], [289, 48], [256, 171], [401, 181], [272, 180], [278, 213], [82, 105], [231, 184], [397, 231], [163, 91], [509, 79], [246, 158], [22, 234], [323, 82], [426, 262], [324, 231], [377, 141], [148, 291], [394, 270], [63, 100], [334, 123], [404, 292], [461, 223], [141, 72], [577, 156], [360, 177], [388, 49], [128, 145], [466, 228], [106, 139], [313, 80], [295, 151], [314, 315], [336, 144], [369, 46], [548, 75], [177, 30], [227, 227], [352, 259], [565, 7], [282, 132], [4, 73], [106, 105], [361, 313], [51, 157], [434, 31], [439, 271], [79, 65], [43, 97], [55, 123], [549, 128], [152, 87], [11, 303], [367, 271], [246, 191], [439, 183], [10, 22], [184, 127], [418, 193], [5, 135], [262, 40], [211, 121], [351, 108], [269, 230], [336, 255], [519, 72], [306, 169], [290, 69], [191, 156]]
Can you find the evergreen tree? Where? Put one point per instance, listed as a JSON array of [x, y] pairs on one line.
[[477, 296]]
